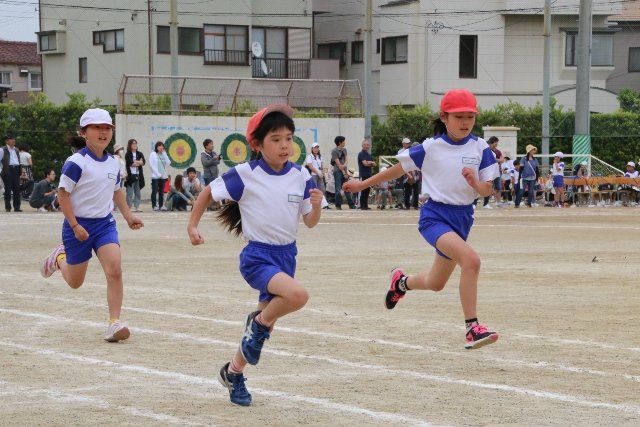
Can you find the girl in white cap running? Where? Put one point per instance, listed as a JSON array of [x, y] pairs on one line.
[[89, 186]]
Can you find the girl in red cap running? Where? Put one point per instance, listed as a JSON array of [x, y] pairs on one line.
[[456, 167]]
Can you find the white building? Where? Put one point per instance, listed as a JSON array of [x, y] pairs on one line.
[[421, 49], [88, 47]]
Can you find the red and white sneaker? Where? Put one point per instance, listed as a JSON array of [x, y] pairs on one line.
[[394, 294], [49, 264], [479, 336]]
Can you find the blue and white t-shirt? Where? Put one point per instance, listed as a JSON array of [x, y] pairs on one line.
[[91, 181], [441, 161], [270, 202]]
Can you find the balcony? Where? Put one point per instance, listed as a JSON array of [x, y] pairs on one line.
[[272, 68], [280, 68]]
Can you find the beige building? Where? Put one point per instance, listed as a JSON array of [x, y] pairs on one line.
[[88, 48], [20, 71], [420, 49]]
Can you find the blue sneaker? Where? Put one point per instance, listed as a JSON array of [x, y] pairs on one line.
[[238, 392], [253, 339]]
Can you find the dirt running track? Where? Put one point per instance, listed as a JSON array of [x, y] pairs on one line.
[[569, 352]]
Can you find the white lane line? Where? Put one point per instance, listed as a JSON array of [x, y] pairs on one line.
[[201, 381], [55, 394], [377, 369], [439, 325], [539, 365]]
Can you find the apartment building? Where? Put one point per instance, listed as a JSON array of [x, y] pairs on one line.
[[88, 47], [20, 71], [495, 48]]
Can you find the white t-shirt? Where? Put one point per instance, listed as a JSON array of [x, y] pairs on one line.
[[25, 158], [441, 161], [91, 182], [557, 169], [270, 202], [316, 162]]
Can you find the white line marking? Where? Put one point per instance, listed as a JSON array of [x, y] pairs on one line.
[[55, 394], [200, 381], [378, 369], [424, 349]]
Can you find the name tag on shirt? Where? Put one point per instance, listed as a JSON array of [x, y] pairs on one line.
[[295, 198], [470, 161], [112, 176]]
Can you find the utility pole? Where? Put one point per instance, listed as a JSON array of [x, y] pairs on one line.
[[367, 72], [173, 46], [546, 77], [582, 136]]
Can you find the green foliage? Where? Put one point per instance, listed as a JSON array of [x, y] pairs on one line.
[[629, 100], [414, 123], [43, 126]]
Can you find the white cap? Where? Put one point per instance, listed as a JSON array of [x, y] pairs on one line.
[[406, 141], [96, 116], [559, 154], [584, 163], [631, 164], [315, 144]]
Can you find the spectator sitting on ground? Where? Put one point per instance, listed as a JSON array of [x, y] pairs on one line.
[[178, 198], [192, 183], [43, 196]]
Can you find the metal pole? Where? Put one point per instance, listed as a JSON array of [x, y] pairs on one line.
[[173, 36], [367, 72], [582, 137], [546, 77]]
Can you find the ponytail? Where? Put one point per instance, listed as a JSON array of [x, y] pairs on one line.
[[439, 127]]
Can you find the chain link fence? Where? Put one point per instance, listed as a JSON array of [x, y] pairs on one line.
[[236, 97]]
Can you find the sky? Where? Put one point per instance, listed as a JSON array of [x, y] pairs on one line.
[[18, 20]]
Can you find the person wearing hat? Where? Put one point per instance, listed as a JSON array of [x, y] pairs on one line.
[[557, 175], [118, 150], [530, 170], [89, 187], [267, 198], [315, 166], [457, 167], [631, 172], [11, 171], [410, 181]]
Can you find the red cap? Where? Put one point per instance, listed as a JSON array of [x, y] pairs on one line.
[[459, 101], [256, 119]]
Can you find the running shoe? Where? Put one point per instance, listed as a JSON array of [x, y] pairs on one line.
[[479, 336], [394, 294], [117, 332], [49, 264], [253, 339], [238, 393]]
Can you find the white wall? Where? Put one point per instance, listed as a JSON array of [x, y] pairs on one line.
[[149, 129]]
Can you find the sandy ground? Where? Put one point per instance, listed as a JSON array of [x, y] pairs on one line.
[[569, 352]]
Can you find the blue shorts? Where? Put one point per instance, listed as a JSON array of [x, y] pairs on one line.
[[259, 262], [438, 218], [102, 231], [558, 181]]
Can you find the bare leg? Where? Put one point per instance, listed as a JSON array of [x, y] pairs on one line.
[[110, 258]]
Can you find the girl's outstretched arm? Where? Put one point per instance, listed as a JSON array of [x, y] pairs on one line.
[[355, 186], [201, 204]]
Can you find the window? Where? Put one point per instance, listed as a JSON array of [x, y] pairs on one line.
[[225, 44], [272, 40], [601, 49], [111, 40], [394, 50], [468, 57], [634, 59], [357, 52], [333, 51], [189, 40], [35, 81], [47, 42], [5, 78], [82, 70], [377, 46]]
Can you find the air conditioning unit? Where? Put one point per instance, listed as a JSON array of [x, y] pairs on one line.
[[51, 42]]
